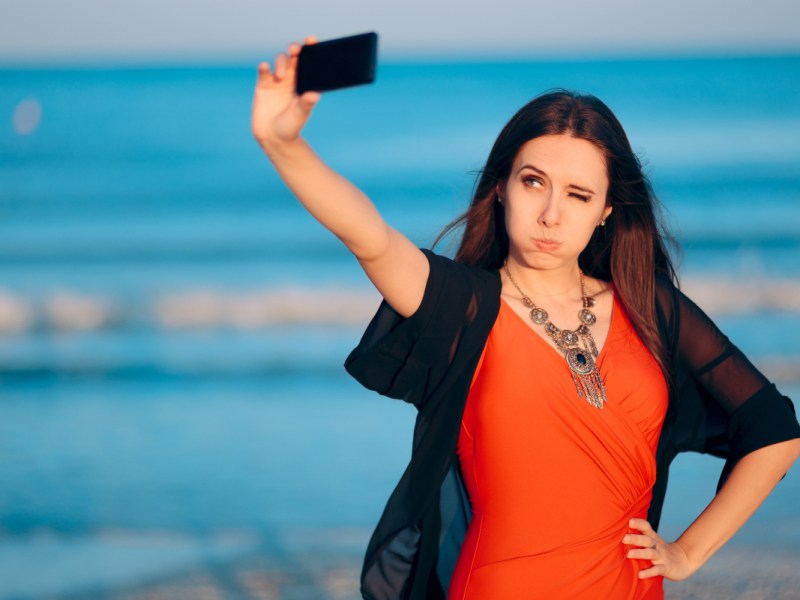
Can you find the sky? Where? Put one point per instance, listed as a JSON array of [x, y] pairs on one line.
[[52, 31]]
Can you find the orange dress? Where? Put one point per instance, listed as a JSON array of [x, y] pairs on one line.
[[552, 480]]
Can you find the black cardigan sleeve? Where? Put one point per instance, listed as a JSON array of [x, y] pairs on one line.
[[720, 403], [395, 353], [408, 358], [758, 415]]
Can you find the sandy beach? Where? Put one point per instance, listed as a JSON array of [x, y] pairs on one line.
[[314, 565]]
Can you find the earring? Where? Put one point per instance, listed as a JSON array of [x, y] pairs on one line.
[[603, 223]]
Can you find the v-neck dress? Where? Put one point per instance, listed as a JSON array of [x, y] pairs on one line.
[[552, 480]]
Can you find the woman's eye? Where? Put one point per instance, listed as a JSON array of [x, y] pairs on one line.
[[580, 197], [531, 181]]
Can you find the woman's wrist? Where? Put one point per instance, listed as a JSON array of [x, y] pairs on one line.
[[695, 557], [282, 150]]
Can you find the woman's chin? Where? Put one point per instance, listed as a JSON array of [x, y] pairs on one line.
[[537, 259]]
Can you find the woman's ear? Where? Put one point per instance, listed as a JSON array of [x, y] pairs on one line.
[[607, 211], [499, 190]]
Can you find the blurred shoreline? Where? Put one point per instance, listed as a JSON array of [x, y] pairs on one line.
[[296, 305], [285, 330]]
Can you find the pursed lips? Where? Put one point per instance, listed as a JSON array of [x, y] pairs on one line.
[[545, 244]]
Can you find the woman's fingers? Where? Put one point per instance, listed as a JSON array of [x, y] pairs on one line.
[[304, 105], [643, 553], [641, 525], [653, 571], [286, 62], [264, 75], [291, 63], [667, 559], [307, 101], [281, 64], [645, 541], [647, 549]]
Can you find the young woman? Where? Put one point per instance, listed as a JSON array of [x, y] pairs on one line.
[[556, 368]]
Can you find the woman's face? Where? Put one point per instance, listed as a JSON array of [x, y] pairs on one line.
[[554, 198]]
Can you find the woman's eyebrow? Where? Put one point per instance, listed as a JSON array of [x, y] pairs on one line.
[[532, 168], [538, 170]]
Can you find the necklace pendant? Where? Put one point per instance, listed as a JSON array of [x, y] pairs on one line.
[[586, 376], [587, 317], [569, 338], [539, 315], [580, 361]]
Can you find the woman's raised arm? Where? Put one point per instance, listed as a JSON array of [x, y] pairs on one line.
[[397, 268]]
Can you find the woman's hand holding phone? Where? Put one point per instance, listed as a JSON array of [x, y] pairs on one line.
[[279, 114]]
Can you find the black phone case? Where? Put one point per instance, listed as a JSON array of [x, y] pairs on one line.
[[338, 63]]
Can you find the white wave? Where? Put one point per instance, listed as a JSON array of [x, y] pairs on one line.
[[72, 311], [720, 295], [209, 308], [271, 308], [15, 314]]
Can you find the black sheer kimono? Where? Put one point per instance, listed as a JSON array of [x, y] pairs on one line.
[[719, 404]]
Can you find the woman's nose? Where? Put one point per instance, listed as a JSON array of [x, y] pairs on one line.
[[549, 214]]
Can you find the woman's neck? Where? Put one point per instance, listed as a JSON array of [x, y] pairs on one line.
[[556, 282]]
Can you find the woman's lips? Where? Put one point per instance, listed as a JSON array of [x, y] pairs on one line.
[[546, 245]]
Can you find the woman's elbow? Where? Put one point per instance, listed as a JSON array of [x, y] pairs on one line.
[[794, 446], [785, 453]]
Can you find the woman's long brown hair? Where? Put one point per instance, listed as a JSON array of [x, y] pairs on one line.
[[629, 251]]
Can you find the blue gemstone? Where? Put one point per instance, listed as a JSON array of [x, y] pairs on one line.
[[580, 358]]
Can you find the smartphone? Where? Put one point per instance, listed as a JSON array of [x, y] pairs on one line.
[[336, 64]]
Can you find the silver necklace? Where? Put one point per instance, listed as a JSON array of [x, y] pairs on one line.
[[581, 360]]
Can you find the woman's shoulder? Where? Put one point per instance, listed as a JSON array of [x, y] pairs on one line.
[[399, 356], [457, 277]]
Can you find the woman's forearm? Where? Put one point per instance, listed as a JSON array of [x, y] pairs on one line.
[[750, 482], [330, 198], [396, 267]]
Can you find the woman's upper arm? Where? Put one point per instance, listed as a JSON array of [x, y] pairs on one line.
[[759, 415], [722, 369], [399, 272]]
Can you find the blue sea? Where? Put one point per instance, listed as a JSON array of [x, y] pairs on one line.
[[173, 324]]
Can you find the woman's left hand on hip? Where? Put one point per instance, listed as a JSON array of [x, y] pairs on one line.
[[669, 559]]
